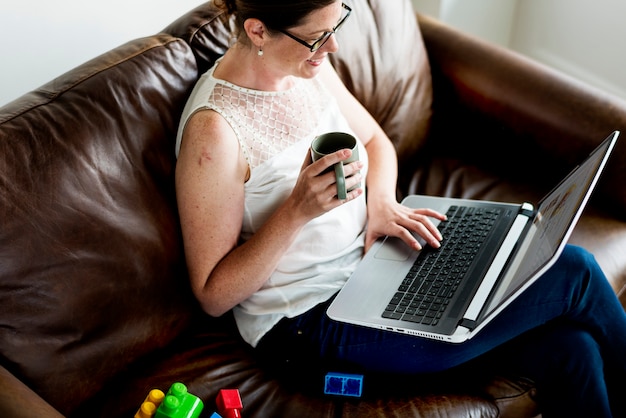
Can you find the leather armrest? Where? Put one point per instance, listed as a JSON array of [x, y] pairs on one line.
[[489, 98], [18, 401]]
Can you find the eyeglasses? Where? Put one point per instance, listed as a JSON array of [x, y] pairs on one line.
[[325, 37]]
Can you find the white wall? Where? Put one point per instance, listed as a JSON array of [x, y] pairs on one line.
[[42, 39], [427, 7], [581, 38], [488, 19]]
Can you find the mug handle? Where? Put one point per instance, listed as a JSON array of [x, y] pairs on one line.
[[342, 194]]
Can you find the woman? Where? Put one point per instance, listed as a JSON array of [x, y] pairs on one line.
[[266, 236]]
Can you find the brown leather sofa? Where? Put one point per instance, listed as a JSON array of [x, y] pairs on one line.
[[95, 308]]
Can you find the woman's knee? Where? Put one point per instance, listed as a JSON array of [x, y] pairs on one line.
[[578, 257], [578, 262]]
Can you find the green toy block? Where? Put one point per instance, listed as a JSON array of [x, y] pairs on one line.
[[178, 403]]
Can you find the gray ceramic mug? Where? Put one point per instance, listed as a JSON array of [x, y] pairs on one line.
[[331, 142]]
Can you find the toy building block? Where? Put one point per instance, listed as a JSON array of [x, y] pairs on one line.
[[343, 384], [215, 415], [229, 403], [178, 403], [150, 404], [146, 410]]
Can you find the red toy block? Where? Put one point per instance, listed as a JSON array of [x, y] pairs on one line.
[[229, 403]]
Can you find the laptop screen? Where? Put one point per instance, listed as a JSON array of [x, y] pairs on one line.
[[554, 221]]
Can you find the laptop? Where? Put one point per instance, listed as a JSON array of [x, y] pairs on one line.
[[498, 250]]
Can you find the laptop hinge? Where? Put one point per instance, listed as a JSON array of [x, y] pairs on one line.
[[468, 323], [527, 210]]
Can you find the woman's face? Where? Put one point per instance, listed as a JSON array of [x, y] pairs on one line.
[[293, 58]]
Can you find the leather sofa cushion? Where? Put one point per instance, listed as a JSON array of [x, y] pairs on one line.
[[92, 275], [381, 59]]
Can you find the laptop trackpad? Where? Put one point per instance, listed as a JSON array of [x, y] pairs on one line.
[[394, 249]]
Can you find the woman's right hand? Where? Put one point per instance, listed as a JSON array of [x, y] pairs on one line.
[[315, 192]]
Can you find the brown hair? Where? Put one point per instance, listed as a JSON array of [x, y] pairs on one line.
[[275, 14]]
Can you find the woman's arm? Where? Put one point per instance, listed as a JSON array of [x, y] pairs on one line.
[[210, 177], [386, 215]]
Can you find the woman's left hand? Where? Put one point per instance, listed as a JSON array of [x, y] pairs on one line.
[[392, 218]]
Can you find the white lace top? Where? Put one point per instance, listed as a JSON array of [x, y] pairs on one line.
[[275, 130]]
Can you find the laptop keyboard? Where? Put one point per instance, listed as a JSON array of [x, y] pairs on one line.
[[430, 285]]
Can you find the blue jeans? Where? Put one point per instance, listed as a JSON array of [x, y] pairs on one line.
[[567, 333]]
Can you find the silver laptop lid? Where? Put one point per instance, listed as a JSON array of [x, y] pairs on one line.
[[556, 215]]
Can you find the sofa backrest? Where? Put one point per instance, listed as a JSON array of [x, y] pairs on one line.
[[381, 59], [92, 275]]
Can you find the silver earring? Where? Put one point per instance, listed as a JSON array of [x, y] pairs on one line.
[[260, 52]]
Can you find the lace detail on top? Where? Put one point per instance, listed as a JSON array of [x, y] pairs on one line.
[[267, 123]]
